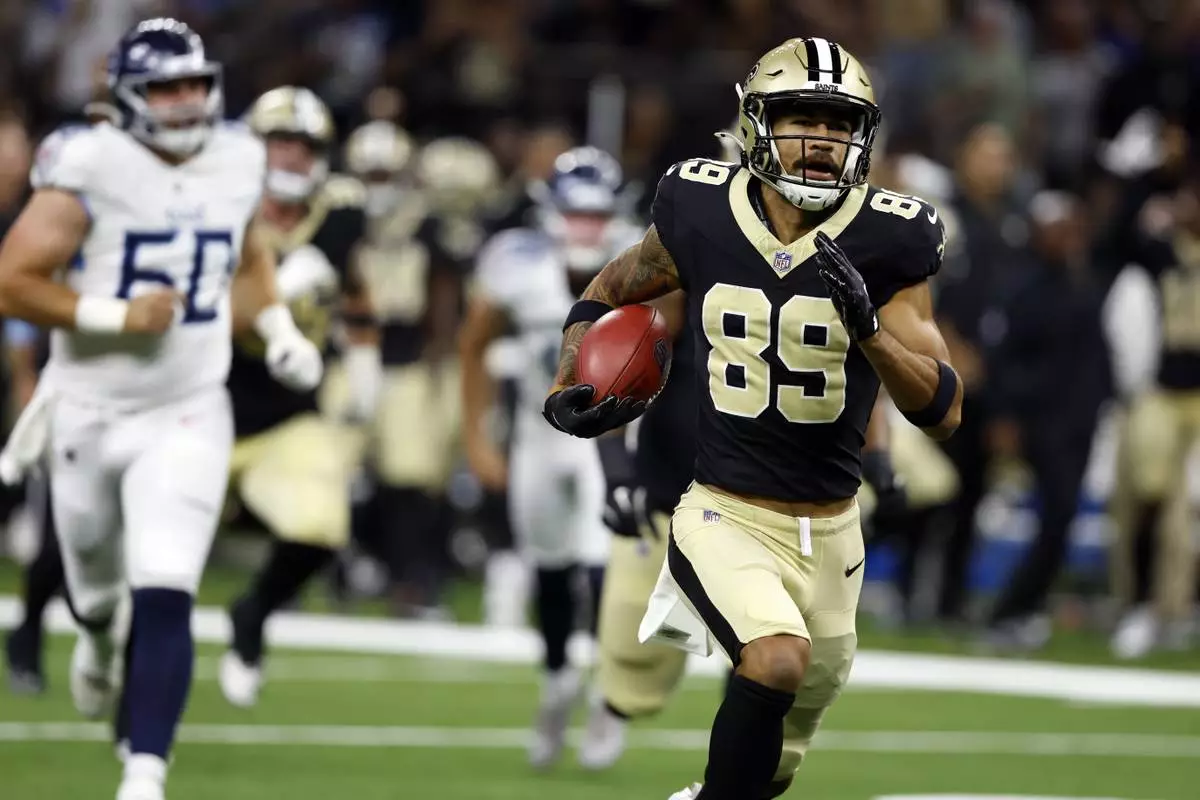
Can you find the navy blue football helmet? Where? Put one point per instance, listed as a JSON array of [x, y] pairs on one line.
[[579, 205], [161, 51]]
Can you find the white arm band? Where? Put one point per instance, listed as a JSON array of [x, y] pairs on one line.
[[274, 322], [100, 314]]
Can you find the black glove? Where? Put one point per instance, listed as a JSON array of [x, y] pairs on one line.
[[570, 411], [847, 290], [890, 496], [625, 506]]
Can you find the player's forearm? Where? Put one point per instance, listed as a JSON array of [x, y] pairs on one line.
[[252, 292], [912, 380], [46, 303], [878, 435], [478, 393]]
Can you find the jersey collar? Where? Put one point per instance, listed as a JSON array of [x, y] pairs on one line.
[[780, 257]]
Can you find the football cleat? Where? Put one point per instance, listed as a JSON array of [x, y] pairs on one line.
[[144, 778], [560, 692], [240, 682], [1136, 635], [690, 793], [93, 675], [22, 655], [603, 740]]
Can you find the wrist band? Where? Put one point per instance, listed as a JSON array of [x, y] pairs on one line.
[[943, 398], [100, 314], [273, 322], [586, 311]]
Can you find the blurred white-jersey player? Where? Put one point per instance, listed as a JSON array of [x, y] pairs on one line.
[[131, 247], [528, 278]]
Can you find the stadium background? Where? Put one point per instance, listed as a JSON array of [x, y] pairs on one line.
[[1097, 98]]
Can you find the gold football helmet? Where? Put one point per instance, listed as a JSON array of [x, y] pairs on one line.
[[815, 71], [297, 114], [378, 153], [460, 174]]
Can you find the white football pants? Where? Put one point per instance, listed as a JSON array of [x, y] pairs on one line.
[[556, 497], [137, 496]]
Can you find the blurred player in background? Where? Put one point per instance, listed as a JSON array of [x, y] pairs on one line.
[[148, 220], [292, 467], [1162, 429], [797, 332], [421, 237], [528, 278]]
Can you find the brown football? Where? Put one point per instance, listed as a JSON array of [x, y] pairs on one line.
[[626, 353]]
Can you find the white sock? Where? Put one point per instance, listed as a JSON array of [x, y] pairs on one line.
[[145, 767]]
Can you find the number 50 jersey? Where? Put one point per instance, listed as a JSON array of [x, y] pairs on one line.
[[784, 394], [153, 226]]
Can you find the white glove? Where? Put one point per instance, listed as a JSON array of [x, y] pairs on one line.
[[291, 359], [364, 374]]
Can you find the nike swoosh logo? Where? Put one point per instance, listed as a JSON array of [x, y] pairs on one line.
[[851, 570], [932, 215]]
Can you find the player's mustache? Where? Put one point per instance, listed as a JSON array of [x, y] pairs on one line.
[[814, 161]]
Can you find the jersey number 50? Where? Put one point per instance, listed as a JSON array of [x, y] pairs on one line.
[[811, 343], [149, 254]]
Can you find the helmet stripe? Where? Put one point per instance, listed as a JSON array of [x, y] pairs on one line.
[[814, 72], [838, 68], [825, 63]]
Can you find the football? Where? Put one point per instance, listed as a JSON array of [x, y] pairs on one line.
[[626, 353]]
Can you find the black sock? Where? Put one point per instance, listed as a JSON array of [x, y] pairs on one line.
[[555, 601], [1145, 551], [43, 580], [160, 672], [595, 581], [288, 568], [746, 742], [408, 534]]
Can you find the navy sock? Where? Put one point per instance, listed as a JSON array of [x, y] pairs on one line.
[[159, 674], [555, 599], [595, 580], [746, 742]]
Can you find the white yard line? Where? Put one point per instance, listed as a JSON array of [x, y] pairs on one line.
[[914, 742], [872, 669]]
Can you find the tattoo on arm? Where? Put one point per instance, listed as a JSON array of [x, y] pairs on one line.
[[643, 272]]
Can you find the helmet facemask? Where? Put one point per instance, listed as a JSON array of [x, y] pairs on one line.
[[293, 186], [811, 193], [178, 129]]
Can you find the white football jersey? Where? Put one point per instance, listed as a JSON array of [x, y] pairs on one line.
[[154, 225], [522, 271]]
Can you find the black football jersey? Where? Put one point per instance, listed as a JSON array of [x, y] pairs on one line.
[[784, 396], [335, 225], [1174, 265], [665, 458]]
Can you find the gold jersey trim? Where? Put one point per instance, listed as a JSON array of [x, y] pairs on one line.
[[799, 251]]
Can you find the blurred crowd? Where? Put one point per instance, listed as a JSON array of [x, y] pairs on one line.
[[1057, 138]]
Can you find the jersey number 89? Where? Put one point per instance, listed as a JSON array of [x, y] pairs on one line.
[[811, 342]]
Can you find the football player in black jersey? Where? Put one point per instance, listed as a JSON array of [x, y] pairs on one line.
[[292, 466], [806, 288]]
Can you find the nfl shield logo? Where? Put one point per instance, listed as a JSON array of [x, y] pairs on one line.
[[783, 261], [711, 517]]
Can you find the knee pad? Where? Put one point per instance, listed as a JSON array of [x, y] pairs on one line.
[[828, 670]]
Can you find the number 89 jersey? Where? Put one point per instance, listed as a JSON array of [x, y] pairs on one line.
[[784, 395]]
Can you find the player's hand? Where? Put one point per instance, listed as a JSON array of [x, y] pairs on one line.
[[488, 464], [570, 411], [625, 510], [890, 496], [847, 290], [295, 362], [153, 312]]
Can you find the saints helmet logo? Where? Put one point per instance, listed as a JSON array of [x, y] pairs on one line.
[[753, 72]]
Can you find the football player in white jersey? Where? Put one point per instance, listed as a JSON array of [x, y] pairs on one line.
[[138, 249], [528, 278]]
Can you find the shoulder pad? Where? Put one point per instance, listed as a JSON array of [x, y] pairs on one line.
[[915, 225], [685, 179], [344, 191], [499, 264], [65, 158]]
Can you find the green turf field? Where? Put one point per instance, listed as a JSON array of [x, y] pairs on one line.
[[375, 727]]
